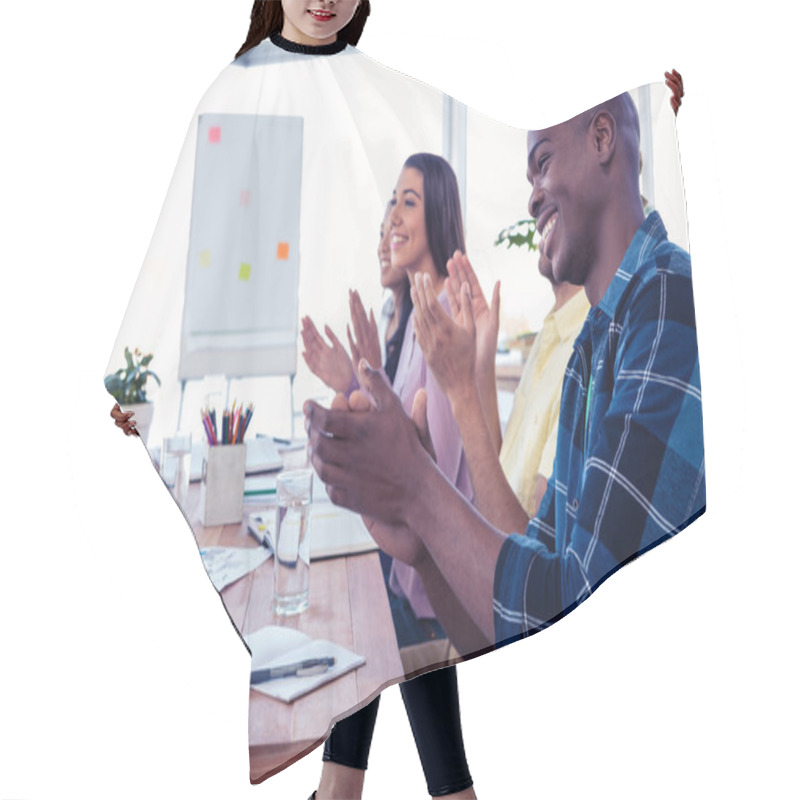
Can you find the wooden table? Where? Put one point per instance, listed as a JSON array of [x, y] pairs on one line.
[[347, 605]]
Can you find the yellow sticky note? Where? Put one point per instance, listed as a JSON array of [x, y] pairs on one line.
[[244, 272], [283, 251], [205, 258]]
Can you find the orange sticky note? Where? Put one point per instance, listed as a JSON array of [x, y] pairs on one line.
[[244, 272], [283, 251]]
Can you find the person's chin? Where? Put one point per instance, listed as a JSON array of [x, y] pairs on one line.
[[561, 271], [318, 31], [547, 272]]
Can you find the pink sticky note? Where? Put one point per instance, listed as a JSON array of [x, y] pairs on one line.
[[244, 197], [214, 134]]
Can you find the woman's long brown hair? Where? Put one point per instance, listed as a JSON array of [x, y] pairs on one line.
[[444, 225], [266, 19]]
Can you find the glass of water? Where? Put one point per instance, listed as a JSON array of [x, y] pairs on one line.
[[292, 542], [176, 459]]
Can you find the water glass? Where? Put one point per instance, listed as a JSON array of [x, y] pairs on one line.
[[292, 542], [176, 460]]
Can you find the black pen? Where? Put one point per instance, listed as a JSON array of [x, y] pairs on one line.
[[300, 669]]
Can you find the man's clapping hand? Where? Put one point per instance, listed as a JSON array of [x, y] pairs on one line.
[[369, 454]]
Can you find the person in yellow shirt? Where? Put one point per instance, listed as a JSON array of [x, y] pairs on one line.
[[461, 353], [529, 444]]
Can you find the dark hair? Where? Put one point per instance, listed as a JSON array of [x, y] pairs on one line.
[[443, 223], [266, 19], [395, 344]]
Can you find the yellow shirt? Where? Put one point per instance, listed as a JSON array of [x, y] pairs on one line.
[[529, 445]]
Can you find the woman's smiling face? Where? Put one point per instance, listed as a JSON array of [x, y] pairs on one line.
[[392, 276], [409, 238], [316, 22]]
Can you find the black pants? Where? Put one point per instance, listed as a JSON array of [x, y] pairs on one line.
[[431, 702]]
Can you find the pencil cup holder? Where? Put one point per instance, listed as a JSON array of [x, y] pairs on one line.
[[222, 487]]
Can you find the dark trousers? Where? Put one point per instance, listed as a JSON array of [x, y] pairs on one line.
[[431, 702]]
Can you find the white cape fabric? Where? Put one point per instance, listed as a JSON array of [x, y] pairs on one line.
[[273, 214]]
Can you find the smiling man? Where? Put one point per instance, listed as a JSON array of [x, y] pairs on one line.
[[629, 468]]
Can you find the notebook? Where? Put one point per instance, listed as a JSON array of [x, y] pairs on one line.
[[274, 646], [334, 531], [225, 565]]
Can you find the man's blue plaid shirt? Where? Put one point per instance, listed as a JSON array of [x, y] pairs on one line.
[[629, 469]]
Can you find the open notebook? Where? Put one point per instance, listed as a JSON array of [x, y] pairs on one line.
[[273, 646], [334, 531]]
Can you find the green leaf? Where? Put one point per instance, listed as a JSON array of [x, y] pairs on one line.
[[520, 234], [130, 380], [113, 384]]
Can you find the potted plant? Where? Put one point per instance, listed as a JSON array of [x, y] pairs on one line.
[[521, 234], [127, 387]]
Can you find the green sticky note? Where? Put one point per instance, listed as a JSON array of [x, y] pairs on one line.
[[205, 258], [244, 272]]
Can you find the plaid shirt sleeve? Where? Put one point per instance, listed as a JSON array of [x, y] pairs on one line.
[[642, 477]]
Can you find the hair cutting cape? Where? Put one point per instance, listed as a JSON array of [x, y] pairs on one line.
[[273, 214]]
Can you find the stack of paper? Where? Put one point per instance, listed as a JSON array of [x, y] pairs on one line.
[[225, 565], [260, 489]]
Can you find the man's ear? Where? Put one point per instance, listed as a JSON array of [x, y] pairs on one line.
[[604, 136]]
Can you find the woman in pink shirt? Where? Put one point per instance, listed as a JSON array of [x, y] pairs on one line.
[[426, 229], [421, 230]]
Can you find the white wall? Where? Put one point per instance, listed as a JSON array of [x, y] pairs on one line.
[[121, 675]]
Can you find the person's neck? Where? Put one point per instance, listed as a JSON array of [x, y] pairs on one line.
[[564, 292], [399, 297], [308, 49], [427, 267], [615, 233]]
